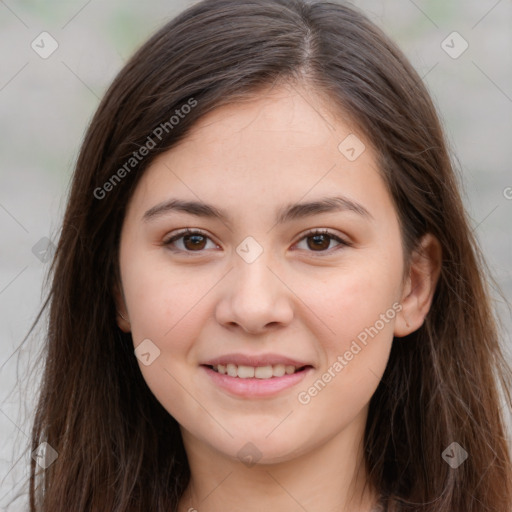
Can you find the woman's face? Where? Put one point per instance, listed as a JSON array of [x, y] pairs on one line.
[[253, 289]]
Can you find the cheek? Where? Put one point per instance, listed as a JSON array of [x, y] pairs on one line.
[[352, 300], [165, 307], [357, 307], [359, 310], [170, 306], [161, 299]]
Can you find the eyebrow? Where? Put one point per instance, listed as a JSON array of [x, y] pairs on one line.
[[285, 214]]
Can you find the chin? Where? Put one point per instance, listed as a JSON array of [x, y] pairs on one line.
[[255, 448]]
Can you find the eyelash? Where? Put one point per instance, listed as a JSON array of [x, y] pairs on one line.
[[309, 234]]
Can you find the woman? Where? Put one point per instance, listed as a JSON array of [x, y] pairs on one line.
[[202, 354]]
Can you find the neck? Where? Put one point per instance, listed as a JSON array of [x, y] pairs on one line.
[[332, 477]]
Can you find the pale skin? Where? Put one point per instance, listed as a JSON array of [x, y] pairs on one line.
[[303, 297]]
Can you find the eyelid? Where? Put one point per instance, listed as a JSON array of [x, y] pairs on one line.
[[184, 232], [342, 241]]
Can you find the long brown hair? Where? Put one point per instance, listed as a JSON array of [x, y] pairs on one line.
[[118, 448]]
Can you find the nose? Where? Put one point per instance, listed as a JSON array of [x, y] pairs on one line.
[[255, 298]]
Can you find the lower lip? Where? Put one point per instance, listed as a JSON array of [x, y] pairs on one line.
[[254, 387]]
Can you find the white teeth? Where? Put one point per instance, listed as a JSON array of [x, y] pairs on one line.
[[259, 372], [280, 370], [245, 372], [289, 369], [263, 372]]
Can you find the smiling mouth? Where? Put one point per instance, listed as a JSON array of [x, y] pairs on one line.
[[256, 372]]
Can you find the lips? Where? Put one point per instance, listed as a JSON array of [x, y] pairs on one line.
[[264, 387], [255, 375]]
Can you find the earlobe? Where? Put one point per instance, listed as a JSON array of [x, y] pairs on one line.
[[420, 286], [122, 322], [122, 318]]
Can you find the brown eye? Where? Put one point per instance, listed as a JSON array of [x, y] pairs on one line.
[[193, 242], [190, 241], [319, 241]]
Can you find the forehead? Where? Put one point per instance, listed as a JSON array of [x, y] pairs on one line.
[[282, 145], [295, 116]]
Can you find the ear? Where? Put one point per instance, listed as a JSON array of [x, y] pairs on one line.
[[420, 285], [123, 323]]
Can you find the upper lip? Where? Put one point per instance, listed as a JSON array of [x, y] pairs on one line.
[[255, 360]]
